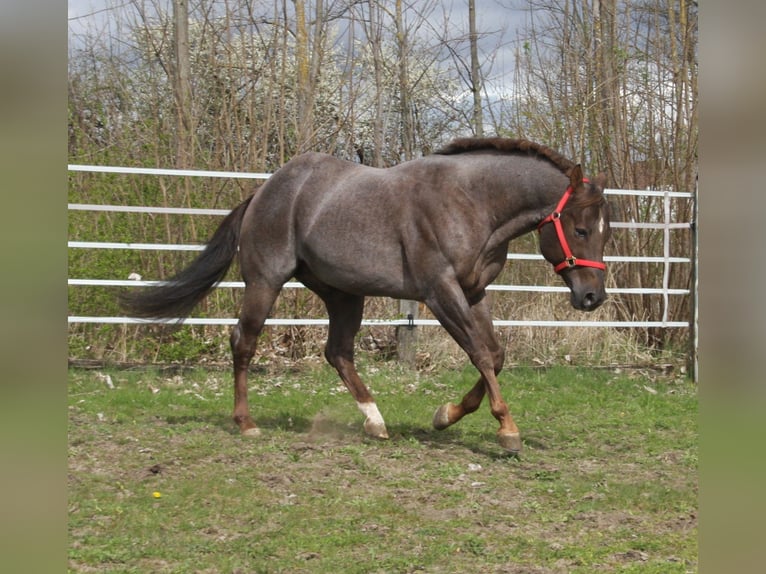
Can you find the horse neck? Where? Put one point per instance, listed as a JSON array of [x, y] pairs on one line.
[[523, 201]]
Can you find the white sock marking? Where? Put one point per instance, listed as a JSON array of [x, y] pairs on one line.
[[372, 413]]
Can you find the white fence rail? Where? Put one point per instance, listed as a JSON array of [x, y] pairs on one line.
[[666, 260]]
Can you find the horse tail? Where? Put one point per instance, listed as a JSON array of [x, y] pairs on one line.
[[180, 294]]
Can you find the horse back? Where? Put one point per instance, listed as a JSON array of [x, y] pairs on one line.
[[365, 230]]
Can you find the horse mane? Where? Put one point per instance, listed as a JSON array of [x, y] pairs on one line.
[[507, 145], [519, 146]]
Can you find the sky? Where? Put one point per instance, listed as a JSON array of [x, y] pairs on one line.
[[493, 16], [87, 9], [490, 13]]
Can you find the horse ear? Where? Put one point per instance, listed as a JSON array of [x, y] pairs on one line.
[[575, 177], [600, 180]]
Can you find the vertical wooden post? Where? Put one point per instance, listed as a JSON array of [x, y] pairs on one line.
[[407, 335]]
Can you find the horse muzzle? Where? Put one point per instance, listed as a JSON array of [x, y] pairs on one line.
[[587, 293]]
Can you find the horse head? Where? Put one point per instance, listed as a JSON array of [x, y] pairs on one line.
[[572, 239]]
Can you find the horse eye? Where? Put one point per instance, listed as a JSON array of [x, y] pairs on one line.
[[581, 233]]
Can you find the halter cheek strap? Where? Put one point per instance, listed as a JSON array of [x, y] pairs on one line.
[[569, 259]]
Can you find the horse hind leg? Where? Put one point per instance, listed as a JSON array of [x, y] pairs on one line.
[[256, 305], [345, 313]]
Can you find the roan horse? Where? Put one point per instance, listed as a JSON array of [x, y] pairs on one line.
[[434, 229]]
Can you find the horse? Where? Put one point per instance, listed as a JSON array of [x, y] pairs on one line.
[[434, 229]]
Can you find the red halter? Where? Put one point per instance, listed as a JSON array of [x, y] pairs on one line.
[[569, 259]]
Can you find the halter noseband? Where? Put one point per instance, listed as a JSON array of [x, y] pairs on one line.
[[569, 259]]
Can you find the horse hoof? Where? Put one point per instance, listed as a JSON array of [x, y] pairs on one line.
[[253, 431], [441, 417], [510, 442], [375, 429]]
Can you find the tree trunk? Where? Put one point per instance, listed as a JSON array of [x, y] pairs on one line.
[[182, 85], [476, 84], [406, 337], [374, 37], [407, 135], [303, 91]]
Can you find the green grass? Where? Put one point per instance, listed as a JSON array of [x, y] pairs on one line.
[[607, 481]]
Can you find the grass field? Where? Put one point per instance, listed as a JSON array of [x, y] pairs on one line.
[[160, 481]]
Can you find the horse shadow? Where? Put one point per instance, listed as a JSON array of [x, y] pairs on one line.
[[321, 429]]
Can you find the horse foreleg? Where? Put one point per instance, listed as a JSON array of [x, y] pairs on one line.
[[471, 327], [256, 305], [450, 413], [507, 435]]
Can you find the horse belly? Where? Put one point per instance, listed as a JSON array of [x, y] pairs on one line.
[[349, 233], [358, 267]]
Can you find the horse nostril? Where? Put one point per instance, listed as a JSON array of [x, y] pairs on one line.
[[589, 301]]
